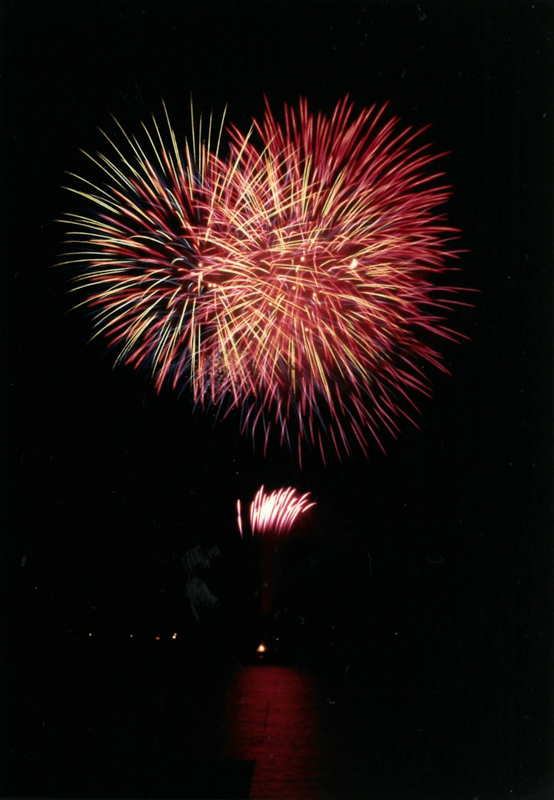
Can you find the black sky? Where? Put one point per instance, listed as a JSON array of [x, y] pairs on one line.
[[438, 553]]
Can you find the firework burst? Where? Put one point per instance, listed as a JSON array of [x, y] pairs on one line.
[[275, 512], [295, 279]]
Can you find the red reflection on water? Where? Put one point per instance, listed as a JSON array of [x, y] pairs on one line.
[[273, 717]]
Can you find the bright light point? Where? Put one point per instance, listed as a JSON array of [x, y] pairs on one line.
[[174, 636], [90, 634], [262, 648], [157, 638], [354, 263], [130, 636]]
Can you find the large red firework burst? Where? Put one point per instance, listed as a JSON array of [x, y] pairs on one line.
[[296, 279]]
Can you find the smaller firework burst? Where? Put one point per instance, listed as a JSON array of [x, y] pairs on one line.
[[276, 512]]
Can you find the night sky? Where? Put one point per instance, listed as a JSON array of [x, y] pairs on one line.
[[429, 568]]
